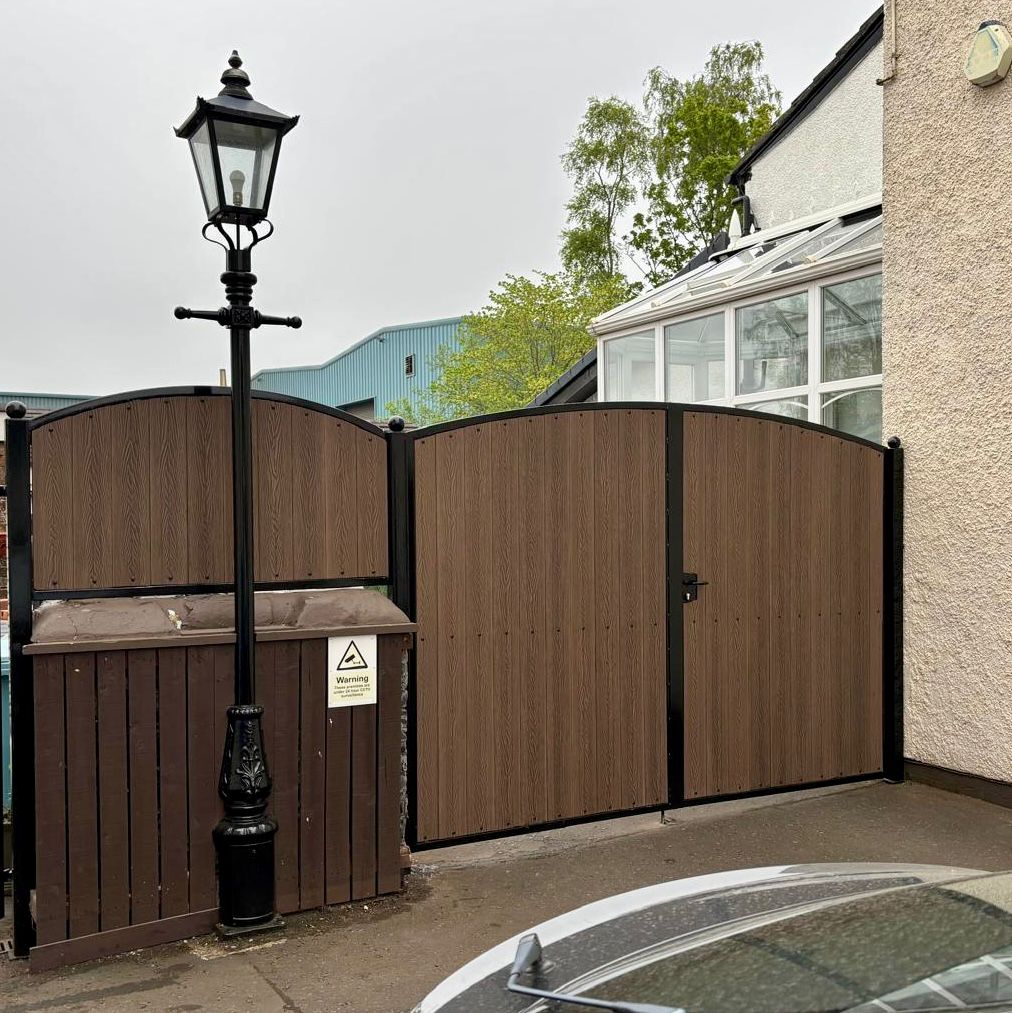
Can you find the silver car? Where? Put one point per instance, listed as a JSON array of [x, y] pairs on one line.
[[788, 939]]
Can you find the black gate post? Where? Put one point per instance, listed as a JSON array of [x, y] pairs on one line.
[[892, 613], [401, 522], [674, 415], [19, 560]]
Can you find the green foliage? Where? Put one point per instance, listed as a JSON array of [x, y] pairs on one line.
[[700, 128], [606, 158], [527, 335]]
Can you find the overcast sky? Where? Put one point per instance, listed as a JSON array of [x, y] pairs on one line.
[[425, 166]]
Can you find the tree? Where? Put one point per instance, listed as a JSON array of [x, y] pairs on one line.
[[606, 158], [700, 130], [529, 333]]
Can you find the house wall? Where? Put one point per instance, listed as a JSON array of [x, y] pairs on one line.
[[948, 383], [371, 370], [832, 156]]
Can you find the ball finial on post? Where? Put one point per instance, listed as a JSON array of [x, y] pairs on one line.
[[16, 410], [396, 424]]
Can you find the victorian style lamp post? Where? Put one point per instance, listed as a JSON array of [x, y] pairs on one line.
[[235, 142]]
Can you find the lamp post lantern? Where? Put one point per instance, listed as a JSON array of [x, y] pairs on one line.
[[235, 142]]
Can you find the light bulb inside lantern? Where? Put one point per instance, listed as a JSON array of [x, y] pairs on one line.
[[237, 179]]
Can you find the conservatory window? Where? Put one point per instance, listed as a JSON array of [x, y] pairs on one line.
[[773, 344], [852, 329], [789, 407], [694, 350], [858, 412], [629, 367]]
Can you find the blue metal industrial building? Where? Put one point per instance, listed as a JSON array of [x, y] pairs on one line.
[[390, 364]]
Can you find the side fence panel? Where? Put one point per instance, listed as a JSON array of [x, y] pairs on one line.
[[120, 869], [541, 669], [136, 494]]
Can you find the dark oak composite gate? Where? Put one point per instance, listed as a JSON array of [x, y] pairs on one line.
[[541, 657], [560, 675]]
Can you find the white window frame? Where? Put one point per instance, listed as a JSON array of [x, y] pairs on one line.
[[812, 390], [632, 332]]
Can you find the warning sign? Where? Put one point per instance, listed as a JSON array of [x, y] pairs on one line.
[[351, 671]]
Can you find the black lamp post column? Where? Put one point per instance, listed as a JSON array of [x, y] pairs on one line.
[[236, 139]]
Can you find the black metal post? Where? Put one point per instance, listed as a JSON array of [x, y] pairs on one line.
[[244, 837], [892, 613], [19, 559]]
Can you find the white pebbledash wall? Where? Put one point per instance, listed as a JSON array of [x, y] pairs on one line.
[[833, 156], [948, 381]]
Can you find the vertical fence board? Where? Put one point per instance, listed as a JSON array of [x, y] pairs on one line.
[[285, 772], [144, 858], [388, 765], [167, 462], [509, 644], [309, 494], [172, 776], [272, 485], [653, 540], [531, 552], [363, 802], [578, 638], [113, 819], [202, 774], [607, 633], [50, 800], [53, 497], [427, 664], [338, 829], [371, 507], [82, 795], [341, 481], [557, 508], [312, 778], [208, 489], [91, 517], [127, 497], [478, 686]]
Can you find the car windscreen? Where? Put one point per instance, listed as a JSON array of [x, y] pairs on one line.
[[925, 948]]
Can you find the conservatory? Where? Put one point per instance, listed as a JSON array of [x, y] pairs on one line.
[[786, 321]]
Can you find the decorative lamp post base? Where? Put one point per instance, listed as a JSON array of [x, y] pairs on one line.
[[244, 837]]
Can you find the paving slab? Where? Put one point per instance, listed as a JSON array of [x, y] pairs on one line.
[[382, 957]]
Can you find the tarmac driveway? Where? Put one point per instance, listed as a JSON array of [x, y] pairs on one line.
[[383, 957]]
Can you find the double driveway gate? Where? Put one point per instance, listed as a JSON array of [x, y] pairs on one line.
[[625, 607], [620, 607]]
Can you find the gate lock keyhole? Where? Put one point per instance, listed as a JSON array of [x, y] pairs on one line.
[[691, 585]]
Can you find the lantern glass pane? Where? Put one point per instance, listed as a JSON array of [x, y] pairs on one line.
[[245, 155], [200, 148]]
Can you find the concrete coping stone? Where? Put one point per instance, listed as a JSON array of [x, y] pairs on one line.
[[191, 620]]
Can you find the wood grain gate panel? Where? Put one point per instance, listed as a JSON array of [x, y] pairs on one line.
[[138, 493], [783, 649], [541, 690]]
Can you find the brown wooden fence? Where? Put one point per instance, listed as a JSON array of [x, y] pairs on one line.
[[541, 688], [138, 492], [128, 748]]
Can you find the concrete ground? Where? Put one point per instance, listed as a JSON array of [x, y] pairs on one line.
[[383, 957]]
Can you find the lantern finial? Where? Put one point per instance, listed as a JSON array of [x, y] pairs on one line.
[[235, 80]]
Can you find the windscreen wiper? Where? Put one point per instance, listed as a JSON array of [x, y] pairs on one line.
[[528, 960]]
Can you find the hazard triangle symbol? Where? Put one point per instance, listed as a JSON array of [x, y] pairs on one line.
[[352, 658]]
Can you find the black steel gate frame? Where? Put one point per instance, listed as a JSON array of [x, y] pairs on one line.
[[401, 487], [402, 588]]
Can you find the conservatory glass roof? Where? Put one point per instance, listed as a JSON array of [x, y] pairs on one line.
[[763, 262]]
